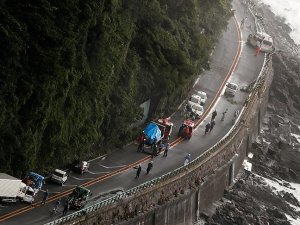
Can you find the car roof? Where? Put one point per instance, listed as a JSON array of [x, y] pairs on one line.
[[232, 84], [201, 93], [264, 35], [189, 122], [60, 171]]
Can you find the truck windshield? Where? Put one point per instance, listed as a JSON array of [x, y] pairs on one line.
[[195, 100], [232, 86], [268, 43], [58, 174], [29, 192]]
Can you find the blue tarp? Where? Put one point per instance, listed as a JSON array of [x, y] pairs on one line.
[[152, 131], [38, 180]]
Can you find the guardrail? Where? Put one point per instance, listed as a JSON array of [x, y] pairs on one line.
[[259, 20], [183, 169]]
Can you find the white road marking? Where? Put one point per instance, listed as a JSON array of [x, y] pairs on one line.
[[95, 172], [76, 178], [110, 167], [196, 82], [70, 185]]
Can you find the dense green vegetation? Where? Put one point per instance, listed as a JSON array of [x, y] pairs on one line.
[[73, 72]]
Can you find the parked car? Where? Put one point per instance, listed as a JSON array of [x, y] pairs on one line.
[[203, 96], [231, 89], [80, 166], [198, 110], [59, 176], [194, 99]]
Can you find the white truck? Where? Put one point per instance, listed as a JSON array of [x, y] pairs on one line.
[[11, 188]]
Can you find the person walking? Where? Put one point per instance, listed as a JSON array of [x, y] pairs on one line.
[[187, 159], [243, 22], [223, 114], [214, 114], [257, 48], [139, 169], [207, 128], [235, 116], [141, 145], [166, 149], [150, 166], [56, 206], [45, 196], [257, 51], [154, 150], [66, 208], [212, 124]]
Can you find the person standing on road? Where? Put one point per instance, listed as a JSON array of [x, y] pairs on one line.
[[45, 196], [150, 166], [223, 114], [66, 208], [187, 159], [141, 145], [56, 206], [154, 150], [166, 149], [257, 48], [212, 124], [214, 114], [139, 169], [243, 22], [207, 128]]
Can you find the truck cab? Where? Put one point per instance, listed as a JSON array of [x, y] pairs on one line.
[[27, 194], [59, 176], [35, 181]]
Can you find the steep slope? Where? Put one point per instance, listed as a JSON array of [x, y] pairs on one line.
[[73, 73]]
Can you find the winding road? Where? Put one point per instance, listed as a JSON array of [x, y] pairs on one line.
[[232, 60]]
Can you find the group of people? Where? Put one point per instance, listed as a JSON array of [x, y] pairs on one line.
[[187, 159], [66, 207], [210, 125], [56, 204], [188, 112], [139, 169]]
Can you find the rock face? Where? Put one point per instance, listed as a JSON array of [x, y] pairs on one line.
[[277, 149]]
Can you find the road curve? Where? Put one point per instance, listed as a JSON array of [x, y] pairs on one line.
[[39, 209]]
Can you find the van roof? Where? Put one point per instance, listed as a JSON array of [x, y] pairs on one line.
[[264, 35], [60, 171]]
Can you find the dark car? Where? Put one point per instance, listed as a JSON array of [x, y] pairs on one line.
[[80, 166]]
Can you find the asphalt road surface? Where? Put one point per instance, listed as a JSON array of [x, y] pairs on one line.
[[115, 173]]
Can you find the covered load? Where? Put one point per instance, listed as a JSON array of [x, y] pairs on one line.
[[152, 133]]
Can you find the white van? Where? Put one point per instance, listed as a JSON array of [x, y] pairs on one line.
[[59, 176], [261, 39], [231, 89]]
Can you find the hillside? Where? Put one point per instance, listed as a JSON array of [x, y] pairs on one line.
[[73, 73]]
